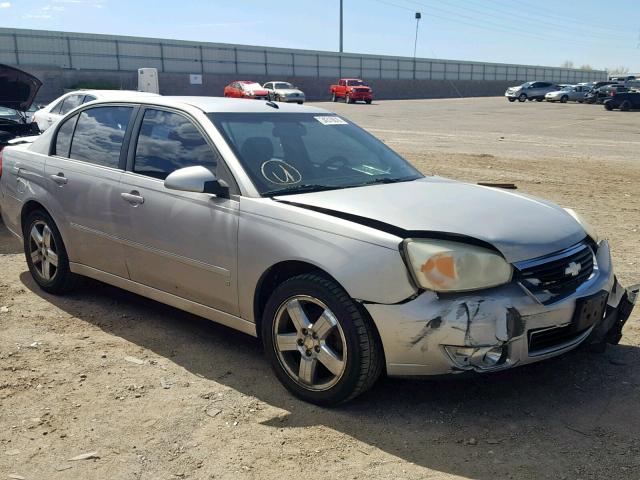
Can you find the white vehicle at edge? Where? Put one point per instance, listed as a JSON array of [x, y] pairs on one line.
[[62, 105]]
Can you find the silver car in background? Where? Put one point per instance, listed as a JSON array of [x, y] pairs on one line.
[[284, 92], [293, 224], [573, 93], [530, 91]]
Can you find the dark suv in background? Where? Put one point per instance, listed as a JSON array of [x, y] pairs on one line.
[[624, 101], [599, 95]]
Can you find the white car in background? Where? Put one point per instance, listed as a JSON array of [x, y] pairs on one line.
[[57, 109], [284, 92]]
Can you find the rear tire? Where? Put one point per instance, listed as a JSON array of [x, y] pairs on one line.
[[46, 254], [368, 102], [609, 106], [320, 343], [349, 99], [540, 99]]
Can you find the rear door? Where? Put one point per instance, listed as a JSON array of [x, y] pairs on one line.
[[181, 243], [83, 175]]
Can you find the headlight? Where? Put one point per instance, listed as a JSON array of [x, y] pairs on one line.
[[445, 266], [588, 228]]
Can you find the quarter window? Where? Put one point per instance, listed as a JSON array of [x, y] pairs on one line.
[[63, 140], [99, 135], [168, 142]]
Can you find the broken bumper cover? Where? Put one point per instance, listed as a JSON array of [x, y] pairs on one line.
[[498, 328]]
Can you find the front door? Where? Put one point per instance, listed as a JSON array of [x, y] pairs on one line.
[[179, 242]]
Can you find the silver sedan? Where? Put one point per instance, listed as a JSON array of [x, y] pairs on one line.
[[293, 224], [573, 93]]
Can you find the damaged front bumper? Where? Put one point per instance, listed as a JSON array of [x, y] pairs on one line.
[[500, 328]]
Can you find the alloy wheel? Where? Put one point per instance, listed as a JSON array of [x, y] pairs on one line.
[[309, 343], [43, 251]]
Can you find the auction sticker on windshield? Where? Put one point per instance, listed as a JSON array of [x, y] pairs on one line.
[[327, 120]]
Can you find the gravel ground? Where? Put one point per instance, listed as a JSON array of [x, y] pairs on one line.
[[149, 392]]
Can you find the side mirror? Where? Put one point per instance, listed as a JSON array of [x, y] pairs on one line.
[[197, 179]]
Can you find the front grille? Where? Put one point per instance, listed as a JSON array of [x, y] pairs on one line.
[[550, 338], [561, 275], [362, 90]]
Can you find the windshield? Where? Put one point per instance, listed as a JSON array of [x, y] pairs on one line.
[[283, 85], [356, 83], [567, 88], [9, 115], [297, 152], [526, 85], [252, 86]]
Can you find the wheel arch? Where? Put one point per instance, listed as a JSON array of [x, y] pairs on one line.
[[31, 206], [277, 274]]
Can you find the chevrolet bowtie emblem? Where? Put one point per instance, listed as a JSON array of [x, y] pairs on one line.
[[573, 269]]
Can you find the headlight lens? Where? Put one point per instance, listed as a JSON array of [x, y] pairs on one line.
[[445, 266], [588, 228]]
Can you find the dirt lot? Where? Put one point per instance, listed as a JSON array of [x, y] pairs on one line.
[[160, 394]]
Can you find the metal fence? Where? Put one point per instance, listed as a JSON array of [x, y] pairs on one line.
[[118, 53]]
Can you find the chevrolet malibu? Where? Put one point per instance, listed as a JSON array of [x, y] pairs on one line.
[[292, 224]]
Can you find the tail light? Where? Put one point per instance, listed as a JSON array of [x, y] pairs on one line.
[[613, 93]]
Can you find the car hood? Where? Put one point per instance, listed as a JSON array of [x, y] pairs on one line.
[[521, 227], [18, 89], [257, 91]]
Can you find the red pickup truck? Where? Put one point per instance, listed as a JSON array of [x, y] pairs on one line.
[[352, 90]]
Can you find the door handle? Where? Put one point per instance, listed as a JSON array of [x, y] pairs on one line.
[[134, 197], [59, 178]]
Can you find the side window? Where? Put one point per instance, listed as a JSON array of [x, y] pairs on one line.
[[89, 98], [63, 140], [70, 103], [57, 107], [167, 142], [99, 135]]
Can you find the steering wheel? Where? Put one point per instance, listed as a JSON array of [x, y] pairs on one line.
[[337, 162]]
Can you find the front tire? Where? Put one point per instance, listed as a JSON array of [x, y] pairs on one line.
[[625, 106], [511, 99], [321, 345], [608, 106], [564, 99], [334, 98], [349, 99], [46, 254], [368, 102], [522, 97]]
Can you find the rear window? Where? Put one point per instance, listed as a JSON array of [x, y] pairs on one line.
[[99, 135]]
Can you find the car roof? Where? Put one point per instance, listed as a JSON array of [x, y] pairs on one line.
[[218, 104], [108, 94]]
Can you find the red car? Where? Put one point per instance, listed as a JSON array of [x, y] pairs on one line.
[[352, 90], [246, 89]]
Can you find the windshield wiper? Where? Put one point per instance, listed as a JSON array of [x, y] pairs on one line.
[[386, 180], [301, 188]]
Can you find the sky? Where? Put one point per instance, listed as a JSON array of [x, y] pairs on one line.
[[536, 32]]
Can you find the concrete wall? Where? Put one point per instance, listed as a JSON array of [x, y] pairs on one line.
[[83, 51], [56, 80]]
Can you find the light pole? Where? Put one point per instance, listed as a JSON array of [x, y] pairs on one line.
[[341, 26], [415, 43]]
